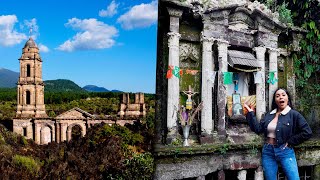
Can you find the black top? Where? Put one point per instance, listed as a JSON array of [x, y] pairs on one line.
[[292, 128]]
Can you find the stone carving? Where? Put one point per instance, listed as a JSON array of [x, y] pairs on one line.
[[203, 5], [189, 51], [74, 114]]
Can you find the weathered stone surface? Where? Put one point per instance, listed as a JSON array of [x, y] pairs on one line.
[[187, 167]]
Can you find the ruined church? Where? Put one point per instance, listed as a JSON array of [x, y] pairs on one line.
[[31, 119]]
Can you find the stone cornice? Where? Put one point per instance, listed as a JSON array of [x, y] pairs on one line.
[[260, 48], [174, 12]]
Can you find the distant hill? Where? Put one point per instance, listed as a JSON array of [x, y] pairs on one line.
[[62, 85], [8, 78], [94, 88]]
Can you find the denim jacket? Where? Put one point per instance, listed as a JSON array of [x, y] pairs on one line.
[[292, 128]]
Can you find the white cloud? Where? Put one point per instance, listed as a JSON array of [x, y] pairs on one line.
[[43, 48], [8, 35], [93, 35], [139, 16], [32, 27], [110, 11]]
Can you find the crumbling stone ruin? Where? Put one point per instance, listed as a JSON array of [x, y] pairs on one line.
[[136, 109], [229, 52], [31, 119]]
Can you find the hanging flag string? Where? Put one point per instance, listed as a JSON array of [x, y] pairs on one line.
[[227, 77], [272, 77], [174, 71]]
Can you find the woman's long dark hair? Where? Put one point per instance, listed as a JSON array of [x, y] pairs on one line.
[[274, 104]]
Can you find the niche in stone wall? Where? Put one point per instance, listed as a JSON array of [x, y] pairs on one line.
[[190, 80], [242, 65]]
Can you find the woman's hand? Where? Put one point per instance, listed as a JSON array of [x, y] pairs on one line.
[[247, 107]]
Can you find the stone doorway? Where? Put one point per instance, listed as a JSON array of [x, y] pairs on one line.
[[76, 132], [46, 135]]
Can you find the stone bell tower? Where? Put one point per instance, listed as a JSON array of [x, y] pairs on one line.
[[30, 85]]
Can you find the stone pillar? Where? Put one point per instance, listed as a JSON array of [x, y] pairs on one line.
[[221, 175], [63, 128], [29, 131], [69, 134], [58, 133], [137, 98], [273, 66], [261, 87], [53, 133], [141, 98], [124, 98], [173, 83], [242, 175], [258, 174], [206, 86], [83, 130], [222, 88], [37, 133]]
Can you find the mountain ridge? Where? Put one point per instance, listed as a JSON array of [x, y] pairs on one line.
[[9, 79]]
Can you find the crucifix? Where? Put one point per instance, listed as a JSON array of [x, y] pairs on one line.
[[189, 93]]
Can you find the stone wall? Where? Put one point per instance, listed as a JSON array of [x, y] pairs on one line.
[[202, 161]]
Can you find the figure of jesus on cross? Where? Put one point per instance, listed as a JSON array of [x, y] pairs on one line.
[[189, 93]]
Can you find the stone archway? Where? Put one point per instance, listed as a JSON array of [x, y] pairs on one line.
[[77, 128], [76, 132], [45, 134]]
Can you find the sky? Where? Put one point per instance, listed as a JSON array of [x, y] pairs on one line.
[[107, 43]]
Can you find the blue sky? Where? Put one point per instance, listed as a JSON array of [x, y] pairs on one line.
[[108, 43]]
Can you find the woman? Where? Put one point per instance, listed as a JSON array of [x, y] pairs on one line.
[[283, 128]]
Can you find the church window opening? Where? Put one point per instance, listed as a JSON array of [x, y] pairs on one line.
[[28, 98], [24, 131], [28, 70]]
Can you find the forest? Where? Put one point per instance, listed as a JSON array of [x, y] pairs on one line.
[[106, 152], [57, 102]]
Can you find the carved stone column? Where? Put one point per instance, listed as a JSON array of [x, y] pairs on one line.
[[173, 83], [261, 87], [206, 86], [222, 88], [273, 67]]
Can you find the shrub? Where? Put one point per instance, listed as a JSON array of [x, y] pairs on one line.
[[28, 163]]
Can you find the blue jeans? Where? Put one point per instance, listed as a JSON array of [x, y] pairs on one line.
[[274, 154]]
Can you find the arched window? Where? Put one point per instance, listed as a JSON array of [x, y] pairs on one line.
[[28, 70], [28, 100]]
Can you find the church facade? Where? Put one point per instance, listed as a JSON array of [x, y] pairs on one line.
[[31, 119]]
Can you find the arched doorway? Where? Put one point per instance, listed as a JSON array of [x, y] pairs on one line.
[[76, 132], [46, 135]]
